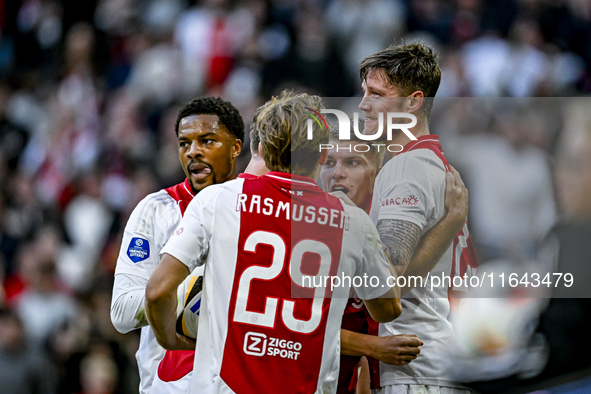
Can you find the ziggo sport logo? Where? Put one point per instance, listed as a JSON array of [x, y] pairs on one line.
[[258, 344], [345, 128]]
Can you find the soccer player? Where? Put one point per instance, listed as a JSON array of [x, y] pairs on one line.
[[408, 201], [210, 133], [175, 369], [263, 328], [351, 168]]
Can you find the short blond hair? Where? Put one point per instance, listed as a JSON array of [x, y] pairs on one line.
[[283, 131]]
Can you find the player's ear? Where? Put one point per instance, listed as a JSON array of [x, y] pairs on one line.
[[236, 148], [323, 157], [414, 102]]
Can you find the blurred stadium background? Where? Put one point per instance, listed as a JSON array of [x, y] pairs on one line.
[[89, 92]]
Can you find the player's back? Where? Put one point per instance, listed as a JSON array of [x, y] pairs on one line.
[[267, 325]]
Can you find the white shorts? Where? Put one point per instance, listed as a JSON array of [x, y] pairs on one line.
[[419, 389]]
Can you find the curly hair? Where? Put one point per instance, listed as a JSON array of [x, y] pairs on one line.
[[225, 111], [408, 67], [282, 125]]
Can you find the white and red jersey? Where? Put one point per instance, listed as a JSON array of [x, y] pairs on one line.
[[411, 187], [149, 227], [175, 368], [264, 328]]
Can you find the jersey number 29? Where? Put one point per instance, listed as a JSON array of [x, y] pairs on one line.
[[267, 318]]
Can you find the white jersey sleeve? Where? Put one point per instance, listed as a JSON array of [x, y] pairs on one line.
[[127, 305], [147, 229], [408, 188]]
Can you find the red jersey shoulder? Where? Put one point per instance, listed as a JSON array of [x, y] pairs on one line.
[[245, 175]]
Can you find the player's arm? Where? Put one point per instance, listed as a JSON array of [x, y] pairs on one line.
[[433, 245], [161, 303], [384, 309], [399, 240], [415, 256], [128, 310], [127, 305], [382, 306], [387, 307], [131, 272], [391, 349]]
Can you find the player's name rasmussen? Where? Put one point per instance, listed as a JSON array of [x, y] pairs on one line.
[[295, 212]]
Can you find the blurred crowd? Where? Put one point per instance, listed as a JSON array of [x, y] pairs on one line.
[[89, 92]]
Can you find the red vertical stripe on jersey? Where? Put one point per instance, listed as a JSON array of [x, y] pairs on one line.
[[264, 370], [175, 365]]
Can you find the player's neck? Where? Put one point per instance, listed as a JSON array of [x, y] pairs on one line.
[[402, 139], [256, 166]]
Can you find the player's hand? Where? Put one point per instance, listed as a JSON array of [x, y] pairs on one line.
[[456, 197], [343, 197], [398, 349]]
